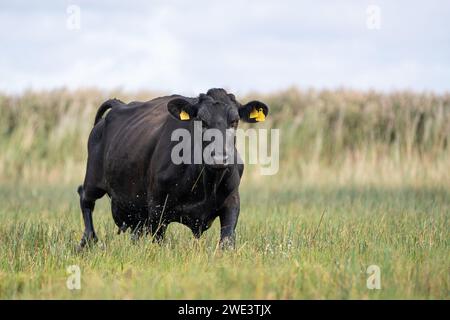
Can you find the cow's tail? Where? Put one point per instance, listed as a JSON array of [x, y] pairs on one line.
[[109, 104]]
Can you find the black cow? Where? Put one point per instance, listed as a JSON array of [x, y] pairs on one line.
[[129, 158]]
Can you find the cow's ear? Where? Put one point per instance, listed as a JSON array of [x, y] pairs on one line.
[[254, 111], [182, 109]]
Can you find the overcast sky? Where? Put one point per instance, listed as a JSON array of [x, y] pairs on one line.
[[189, 46]]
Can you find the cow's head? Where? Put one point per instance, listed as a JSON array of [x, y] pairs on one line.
[[219, 114]]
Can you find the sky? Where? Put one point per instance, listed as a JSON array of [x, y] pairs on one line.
[[187, 47]]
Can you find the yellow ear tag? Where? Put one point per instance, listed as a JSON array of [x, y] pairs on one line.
[[184, 115], [260, 117], [253, 114]]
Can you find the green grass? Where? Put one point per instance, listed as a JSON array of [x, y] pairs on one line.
[[402, 230], [43, 135]]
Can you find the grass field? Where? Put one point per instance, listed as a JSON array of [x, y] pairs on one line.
[[282, 251], [348, 195]]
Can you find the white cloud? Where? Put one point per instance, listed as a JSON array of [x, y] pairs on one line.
[[242, 45]]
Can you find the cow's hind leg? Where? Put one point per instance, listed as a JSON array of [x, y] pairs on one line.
[[87, 203], [137, 232], [158, 231], [158, 221]]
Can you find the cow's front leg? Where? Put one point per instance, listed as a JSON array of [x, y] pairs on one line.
[[229, 215]]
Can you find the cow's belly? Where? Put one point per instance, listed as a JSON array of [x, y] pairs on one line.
[[129, 214], [197, 224]]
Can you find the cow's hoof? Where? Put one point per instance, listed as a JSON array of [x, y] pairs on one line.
[[228, 243], [158, 240], [135, 237], [87, 241]]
